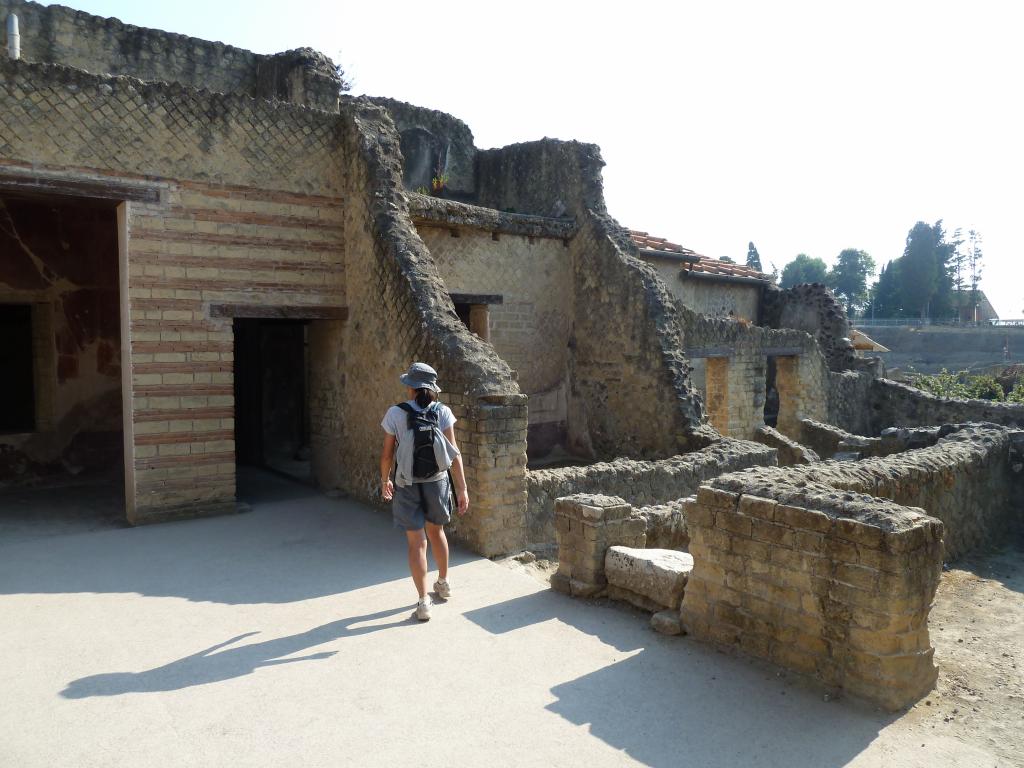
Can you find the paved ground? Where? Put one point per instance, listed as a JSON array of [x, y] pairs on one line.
[[281, 638]]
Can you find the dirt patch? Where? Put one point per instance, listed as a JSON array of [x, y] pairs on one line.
[[977, 628]]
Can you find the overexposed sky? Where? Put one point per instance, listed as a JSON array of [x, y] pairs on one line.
[[803, 126]]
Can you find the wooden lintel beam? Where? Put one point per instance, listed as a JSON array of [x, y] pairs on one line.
[[264, 312], [476, 298], [96, 189]]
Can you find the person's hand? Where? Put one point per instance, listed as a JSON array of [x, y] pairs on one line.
[[463, 502], [387, 490]]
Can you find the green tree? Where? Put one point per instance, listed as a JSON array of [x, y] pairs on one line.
[[803, 269], [886, 299], [753, 257], [974, 257], [849, 278], [727, 259], [926, 284]]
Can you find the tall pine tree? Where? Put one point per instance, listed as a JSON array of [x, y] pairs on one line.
[[753, 257]]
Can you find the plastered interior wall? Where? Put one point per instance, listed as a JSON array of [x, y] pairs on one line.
[[62, 259], [530, 329]]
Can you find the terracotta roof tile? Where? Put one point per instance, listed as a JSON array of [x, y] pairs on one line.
[[705, 265]]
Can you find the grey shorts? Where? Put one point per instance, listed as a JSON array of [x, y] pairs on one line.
[[415, 504]]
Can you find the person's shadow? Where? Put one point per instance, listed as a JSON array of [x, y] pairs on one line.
[[213, 665]]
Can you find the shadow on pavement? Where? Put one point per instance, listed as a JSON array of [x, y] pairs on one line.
[[215, 664], [295, 544], [674, 701]]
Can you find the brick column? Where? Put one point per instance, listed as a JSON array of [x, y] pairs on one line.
[[586, 526]]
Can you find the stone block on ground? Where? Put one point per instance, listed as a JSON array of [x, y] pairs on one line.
[[667, 623], [656, 576]]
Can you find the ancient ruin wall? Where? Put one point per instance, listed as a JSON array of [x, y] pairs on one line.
[[630, 392], [708, 297], [892, 404], [433, 141], [530, 327], [965, 480], [731, 361], [811, 307], [848, 402], [55, 34], [639, 482], [834, 586], [405, 314]]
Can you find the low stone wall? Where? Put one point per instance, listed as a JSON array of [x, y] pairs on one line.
[[966, 480], [790, 451], [641, 482], [836, 586], [666, 525], [898, 405]]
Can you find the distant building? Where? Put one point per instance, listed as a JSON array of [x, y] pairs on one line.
[[985, 311]]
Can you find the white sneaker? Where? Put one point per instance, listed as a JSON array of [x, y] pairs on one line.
[[443, 589], [422, 611]]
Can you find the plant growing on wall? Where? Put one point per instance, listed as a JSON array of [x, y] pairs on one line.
[[438, 184]]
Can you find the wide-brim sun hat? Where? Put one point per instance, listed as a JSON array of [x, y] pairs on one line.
[[420, 376]]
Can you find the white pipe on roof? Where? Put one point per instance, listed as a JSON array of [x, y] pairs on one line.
[[13, 37]]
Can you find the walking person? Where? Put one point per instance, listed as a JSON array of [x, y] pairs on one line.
[[418, 464]]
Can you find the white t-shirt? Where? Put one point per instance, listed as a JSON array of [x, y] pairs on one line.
[[396, 420]]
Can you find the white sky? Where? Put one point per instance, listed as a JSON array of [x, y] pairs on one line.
[[803, 126]]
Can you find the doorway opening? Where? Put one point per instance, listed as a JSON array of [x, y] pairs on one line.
[[771, 393], [61, 416], [272, 424]]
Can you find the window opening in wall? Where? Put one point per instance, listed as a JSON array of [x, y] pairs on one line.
[[771, 394], [17, 384], [271, 396]]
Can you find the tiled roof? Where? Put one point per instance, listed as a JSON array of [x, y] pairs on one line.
[[704, 264]]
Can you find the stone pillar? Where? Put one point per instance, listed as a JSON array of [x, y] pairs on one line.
[[479, 321], [586, 526]]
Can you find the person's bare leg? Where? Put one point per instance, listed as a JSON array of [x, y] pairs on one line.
[[439, 547], [418, 560]]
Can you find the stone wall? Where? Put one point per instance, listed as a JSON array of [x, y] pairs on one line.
[[898, 405], [639, 482], [812, 308], [55, 34], [848, 396], [965, 480], [834, 586], [433, 141], [531, 326], [406, 315], [735, 356]]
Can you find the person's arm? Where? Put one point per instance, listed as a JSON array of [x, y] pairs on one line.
[[458, 474], [387, 460]]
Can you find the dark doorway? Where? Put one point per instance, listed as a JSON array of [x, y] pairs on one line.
[[17, 384], [271, 395], [771, 393]]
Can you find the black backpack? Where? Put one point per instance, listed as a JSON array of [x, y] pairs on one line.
[[425, 428]]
